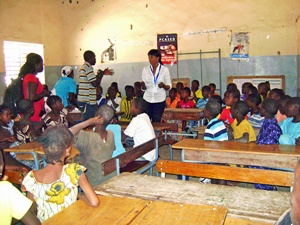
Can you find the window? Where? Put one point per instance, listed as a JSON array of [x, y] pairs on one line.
[[15, 56]]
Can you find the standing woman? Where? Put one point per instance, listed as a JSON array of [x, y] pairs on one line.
[[33, 89], [155, 81]]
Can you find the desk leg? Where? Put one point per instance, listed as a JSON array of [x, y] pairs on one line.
[[36, 161]]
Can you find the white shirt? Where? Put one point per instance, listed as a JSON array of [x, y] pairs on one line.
[[141, 129], [153, 93], [118, 101]]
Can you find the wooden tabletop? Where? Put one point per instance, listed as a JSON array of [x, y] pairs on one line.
[[284, 156], [122, 210], [182, 114], [252, 204]]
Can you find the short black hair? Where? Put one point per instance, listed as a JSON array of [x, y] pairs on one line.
[[231, 86], [140, 104], [234, 93], [271, 106], [156, 53], [254, 98], [282, 103], [253, 89], [213, 107], [87, 55], [107, 112], [173, 89], [55, 140], [24, 105], [212, 85], [52, 100], [188, 90], [205, 88], [294, 101], [3, 108], [242, 107], [217, 98], [279, 92], [196, 81]]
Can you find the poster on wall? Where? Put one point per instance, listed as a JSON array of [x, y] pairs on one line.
[[167, 44], [240, 46]]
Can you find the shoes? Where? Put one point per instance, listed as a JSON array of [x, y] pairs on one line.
[[205, 180]]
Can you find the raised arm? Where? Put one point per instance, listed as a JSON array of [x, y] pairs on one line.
[[92, 121]]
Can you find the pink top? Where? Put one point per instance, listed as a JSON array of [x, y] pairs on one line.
[[188, 104]]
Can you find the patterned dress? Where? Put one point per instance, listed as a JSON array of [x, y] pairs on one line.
[[53, 198], [62, 120]]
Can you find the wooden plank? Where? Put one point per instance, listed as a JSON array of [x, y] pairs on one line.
[[246, 203], [112, 210], [239, 221], [245, 158], [180, 214], [249, 175], [182, 114]]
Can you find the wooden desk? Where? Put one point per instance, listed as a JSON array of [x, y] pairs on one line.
[[257, 206], [34, 151], [278, 156], [121, 210]]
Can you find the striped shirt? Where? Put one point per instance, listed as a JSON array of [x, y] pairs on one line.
[[255, 120], [86, 92], [125, 107], [215, 131]]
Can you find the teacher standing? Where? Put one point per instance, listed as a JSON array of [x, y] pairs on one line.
[[155, 81]]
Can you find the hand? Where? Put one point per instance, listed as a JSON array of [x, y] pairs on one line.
[[97, 120], [161, 85], [109, 72], [47, 93]]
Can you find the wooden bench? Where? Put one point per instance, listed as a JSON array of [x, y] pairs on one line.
[[125, 162], [222, 172]]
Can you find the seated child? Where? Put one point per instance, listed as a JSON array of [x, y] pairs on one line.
[[25, 131], [140, 127], [213, 87], [100, 98], [270, 131], [206, 94], [276, 93], [251, 90], [171, 101], [8, 139], [115, 85], [196, 93], [230, 98], [55, 186], [254, 116], [245, 87], [280, 116], [139, 93], [241, 130], [58, 115], [179, 88], [291, 126], [14, 204], [113, 100], [263, 89], [215, 129], [231, 87], [125, 104], [95, 147]]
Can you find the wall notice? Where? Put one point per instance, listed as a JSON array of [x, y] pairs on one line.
[[239, 46], [167, 44]]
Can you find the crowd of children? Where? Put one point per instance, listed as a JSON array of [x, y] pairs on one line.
[[272, 114]]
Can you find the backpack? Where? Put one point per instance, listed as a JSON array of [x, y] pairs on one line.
[[13, 94]]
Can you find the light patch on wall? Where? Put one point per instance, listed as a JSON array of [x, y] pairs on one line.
[[268, 36], [212, 37]]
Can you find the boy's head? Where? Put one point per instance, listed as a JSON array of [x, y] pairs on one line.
[[253, 100], [217, 98], [212, 109], [137, 87], [251, 90], [172, 93], [282, 103], [231, 87], [195, 85], [129, 91], [262, 88], [179, 86], [231, 97], [107, 113], [55, 140], [25, 106], [276, 94], [90, 57], [185, 93], [212, 87], [293, 107], [99, 91], [5, 115], [206, 91], [112, 91], [269, 108], [239, 109], [55, 102], [138, 106], [245, 87]]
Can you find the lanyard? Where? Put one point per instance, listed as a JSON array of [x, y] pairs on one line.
[[155, 78]]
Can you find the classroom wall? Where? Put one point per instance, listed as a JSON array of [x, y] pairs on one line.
[[68, 29]]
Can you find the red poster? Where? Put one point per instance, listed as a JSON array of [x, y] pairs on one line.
[[167, 44]]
